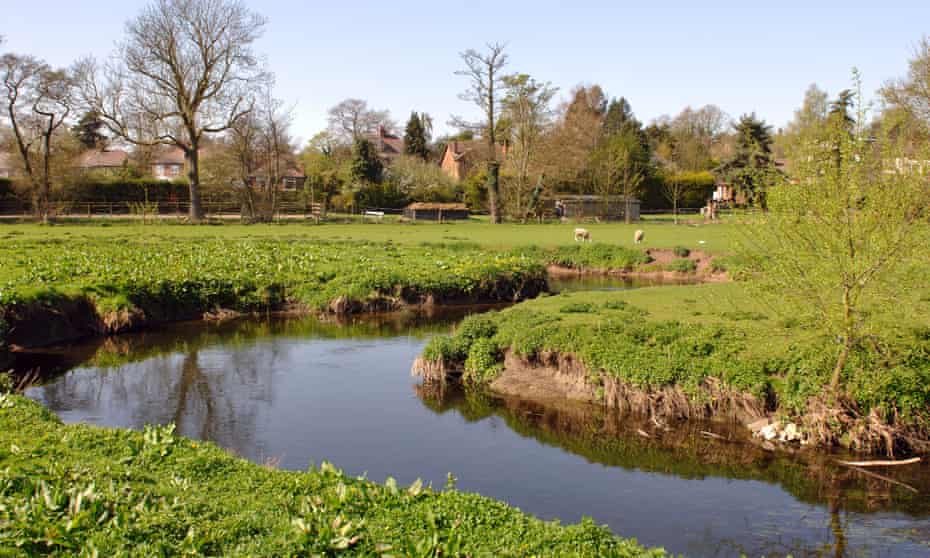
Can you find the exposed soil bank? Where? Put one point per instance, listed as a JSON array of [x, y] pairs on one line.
[[551, 379], [68, 318], [705, 272]]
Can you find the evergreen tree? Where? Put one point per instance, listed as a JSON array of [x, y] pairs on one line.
[[619, 117], [839, 109], [366, 166], [415, 141], [751, 165], [88, 131]]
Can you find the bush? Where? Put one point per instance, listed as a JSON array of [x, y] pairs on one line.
[[682, 266], [681, 251], [578, 308], [483, 362]]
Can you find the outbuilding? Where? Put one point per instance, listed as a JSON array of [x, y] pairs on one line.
[[423, 211]]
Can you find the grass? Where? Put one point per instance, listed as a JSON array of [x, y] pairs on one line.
[[84, 491], [679, 336], [658, 234]]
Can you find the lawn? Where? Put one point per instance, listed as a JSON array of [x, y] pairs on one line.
[[658, 233]]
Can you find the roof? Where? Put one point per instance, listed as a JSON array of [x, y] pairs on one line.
[[462, 149], [438, 206], [168, 156], [107, 158], [386, 144]]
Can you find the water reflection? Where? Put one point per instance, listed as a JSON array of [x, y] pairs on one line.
[[303, 390]]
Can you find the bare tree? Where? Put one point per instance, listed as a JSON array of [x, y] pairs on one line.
[[352, 119], [485, 75], [38, 102], [184, 70]]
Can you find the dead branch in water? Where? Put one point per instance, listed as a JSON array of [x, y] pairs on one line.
[[884, 478], [885, 463], [643, 433], [707, 434]]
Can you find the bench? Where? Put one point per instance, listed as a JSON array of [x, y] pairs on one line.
[[377, 215]]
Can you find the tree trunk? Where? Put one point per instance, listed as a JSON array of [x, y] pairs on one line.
[[675, 209], [192, 157], [493, 191], [847, 345]]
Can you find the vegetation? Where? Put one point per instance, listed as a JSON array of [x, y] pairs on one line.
[[697, 337], [72, 490]]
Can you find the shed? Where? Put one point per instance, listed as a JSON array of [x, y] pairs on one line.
[[436, 211], [590, 207]]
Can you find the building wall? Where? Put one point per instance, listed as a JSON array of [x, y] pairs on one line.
[[450, 166]]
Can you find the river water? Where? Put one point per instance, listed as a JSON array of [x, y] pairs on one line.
[[299, 391]]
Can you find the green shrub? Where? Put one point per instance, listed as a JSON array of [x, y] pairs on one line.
[[681, 251], [578, 308], [682, 266], [484, 362]]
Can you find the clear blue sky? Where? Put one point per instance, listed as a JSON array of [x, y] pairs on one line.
[[661, 55]]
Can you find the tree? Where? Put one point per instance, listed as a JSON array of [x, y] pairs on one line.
[[751, 166], [87, 131], [578, 132], [910, 95], [366, 166], [415, 139], [839, 238], [839, 109], [484, 72], [352, 119], [619, 117], [184, 70], [526, 106], [38, 102], [622, 162]]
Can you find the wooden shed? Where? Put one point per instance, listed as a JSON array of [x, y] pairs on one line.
[[423, 211], [590, 207]]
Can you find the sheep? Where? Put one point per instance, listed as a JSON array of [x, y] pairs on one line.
[[582, 235], [638, 236]]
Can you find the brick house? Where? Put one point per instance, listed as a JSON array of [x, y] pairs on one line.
[[8, 166], [167, 163], [460, 158], [104, 161], [387, 145]]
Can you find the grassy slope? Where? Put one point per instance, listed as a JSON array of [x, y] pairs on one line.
[[68, 489]]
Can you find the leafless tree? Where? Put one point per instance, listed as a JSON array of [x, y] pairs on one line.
[[38, 101], [185, 69], [484, 71], [352, 119]]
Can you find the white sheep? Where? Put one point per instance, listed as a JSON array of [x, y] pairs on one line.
[[582, 235], [638, 236]]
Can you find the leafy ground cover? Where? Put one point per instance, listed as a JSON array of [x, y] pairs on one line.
[[84, 491], [679, 337]]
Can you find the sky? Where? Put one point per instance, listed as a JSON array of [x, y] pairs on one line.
[[661, 55]]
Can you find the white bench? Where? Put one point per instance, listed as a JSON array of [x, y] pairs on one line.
[[378, 215]]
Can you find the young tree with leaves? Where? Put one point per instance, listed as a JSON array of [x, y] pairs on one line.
[[484, 71], [838, 239]]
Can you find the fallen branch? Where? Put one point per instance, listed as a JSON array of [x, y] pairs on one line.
[[886, 463], [707, 434], [643, 433], [884, 478]]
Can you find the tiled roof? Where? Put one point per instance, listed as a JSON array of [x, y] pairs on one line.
[[103, 159], [168, 156], [442, 206]]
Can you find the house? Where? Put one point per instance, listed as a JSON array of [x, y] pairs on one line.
[[460, 157], [103, 161], [292, 177], [436, 211], [592, 207], [388, 146], [168, 163]]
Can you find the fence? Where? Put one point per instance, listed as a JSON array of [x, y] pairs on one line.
[[142, 210]]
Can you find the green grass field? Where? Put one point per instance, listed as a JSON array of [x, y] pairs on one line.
[[658, 233]]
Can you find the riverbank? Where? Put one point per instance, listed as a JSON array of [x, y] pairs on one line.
[[72, 489], [694, 352]]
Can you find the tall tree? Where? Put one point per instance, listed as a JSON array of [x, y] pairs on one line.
[[527, 107], [619, 117], [415, 141], [184, 70], [484, 71], [751, 166], [578, 132], [840, 108], [351, 119], [88, 131], [621, 164], [366, 166], [38, 102], [910, 95]]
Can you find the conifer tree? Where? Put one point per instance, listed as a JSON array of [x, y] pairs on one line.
[[366, 166], [415, 141]]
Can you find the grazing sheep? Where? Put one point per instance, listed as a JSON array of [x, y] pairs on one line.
[[582, 235], [638, 236]]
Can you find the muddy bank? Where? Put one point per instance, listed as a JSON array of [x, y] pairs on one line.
[[656, 270], [63, 319], [552, 379]]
